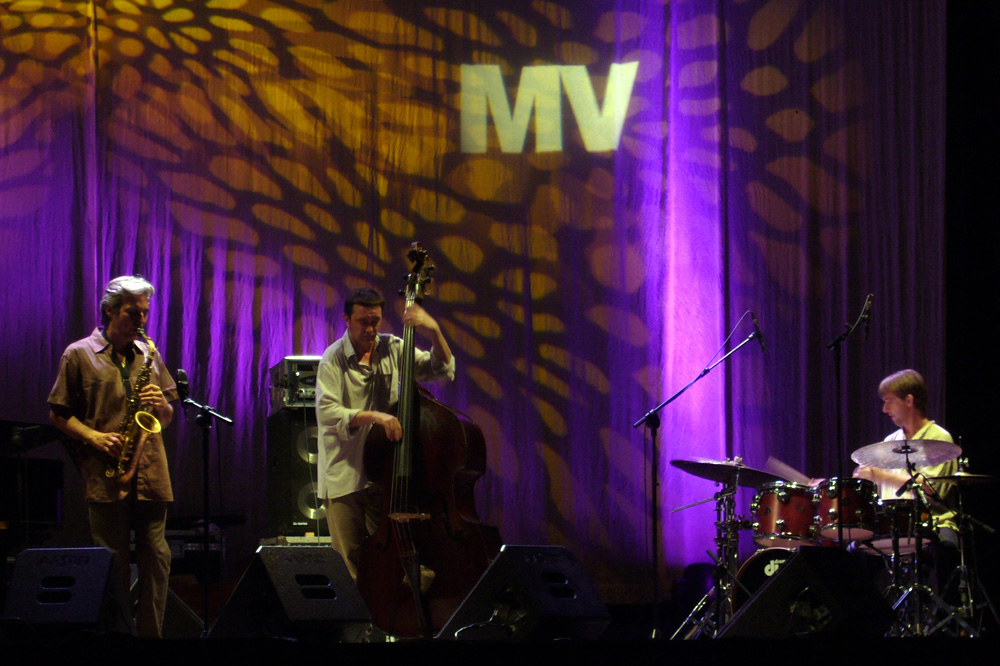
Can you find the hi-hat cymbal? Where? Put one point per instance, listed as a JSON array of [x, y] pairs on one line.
[[964, 479], [724, 471], [894, 454]]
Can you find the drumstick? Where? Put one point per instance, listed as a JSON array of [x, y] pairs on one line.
[[785, 471]]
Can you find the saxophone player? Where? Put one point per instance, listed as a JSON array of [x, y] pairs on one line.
[[92, 392]]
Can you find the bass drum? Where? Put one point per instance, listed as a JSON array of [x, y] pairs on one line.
[[756, 571]]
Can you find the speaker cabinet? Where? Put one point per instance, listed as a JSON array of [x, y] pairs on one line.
[[179, 620], [61, 587], [818, 591], [530, 593], [302, 592], [293, 508]]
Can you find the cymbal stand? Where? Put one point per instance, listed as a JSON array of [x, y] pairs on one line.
[[969, 584], [715, 609]]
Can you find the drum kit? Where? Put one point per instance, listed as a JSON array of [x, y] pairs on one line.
[[846, 513]]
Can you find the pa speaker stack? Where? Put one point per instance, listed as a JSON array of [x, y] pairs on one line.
[[292, 506], [292, 449]]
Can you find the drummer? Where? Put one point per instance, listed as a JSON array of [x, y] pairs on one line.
[[904, 399]]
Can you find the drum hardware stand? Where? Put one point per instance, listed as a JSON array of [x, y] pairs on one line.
[[653, 419], [919, 589], [967, 576], [704, 619]]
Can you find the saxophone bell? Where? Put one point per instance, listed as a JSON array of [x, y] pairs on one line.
[[146, 421]]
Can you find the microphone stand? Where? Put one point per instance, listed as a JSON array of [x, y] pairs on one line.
[[841, 440], [653, 420], [204, 419]]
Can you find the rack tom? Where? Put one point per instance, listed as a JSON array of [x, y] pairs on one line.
[[783, 515], [856, 510]]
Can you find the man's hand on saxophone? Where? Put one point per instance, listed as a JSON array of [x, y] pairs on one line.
[[153, 401], [108, 443]]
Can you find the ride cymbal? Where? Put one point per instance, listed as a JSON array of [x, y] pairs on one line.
[[895, 454]]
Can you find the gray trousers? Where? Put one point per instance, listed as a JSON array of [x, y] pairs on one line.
[[110, 524], [351, 518]]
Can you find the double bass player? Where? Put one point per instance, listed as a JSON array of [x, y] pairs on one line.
[[357, 386]]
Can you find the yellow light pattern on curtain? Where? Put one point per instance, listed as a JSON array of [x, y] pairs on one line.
[[322, 135]]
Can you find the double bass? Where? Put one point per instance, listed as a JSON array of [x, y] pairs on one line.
[[430, 548]]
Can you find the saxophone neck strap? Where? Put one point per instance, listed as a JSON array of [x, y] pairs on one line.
[[123, 363]]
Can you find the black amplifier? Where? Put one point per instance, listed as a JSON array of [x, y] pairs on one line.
[[293, 382], [187, 553]]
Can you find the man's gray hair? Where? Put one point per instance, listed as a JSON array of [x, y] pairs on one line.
[[120, 289]]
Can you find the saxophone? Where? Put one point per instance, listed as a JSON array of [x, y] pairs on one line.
[[136, 425]]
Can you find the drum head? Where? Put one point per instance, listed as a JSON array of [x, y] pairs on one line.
[[756, 571]]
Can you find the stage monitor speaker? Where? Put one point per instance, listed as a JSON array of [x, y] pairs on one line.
[[302, 592], [530, 593], [179, 620], [292, 506], [818, 591], [61, 587]]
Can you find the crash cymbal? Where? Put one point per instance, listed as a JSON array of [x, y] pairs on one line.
[[964, 479], [724, 471], [894, 454]]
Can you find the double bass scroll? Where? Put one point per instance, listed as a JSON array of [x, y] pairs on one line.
[[429, 549]]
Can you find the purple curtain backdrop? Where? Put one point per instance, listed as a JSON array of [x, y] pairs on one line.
[[256, 162]]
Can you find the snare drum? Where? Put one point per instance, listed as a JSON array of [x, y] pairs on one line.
[[900, 518], [857, 512], [756, 571], [783, 515]]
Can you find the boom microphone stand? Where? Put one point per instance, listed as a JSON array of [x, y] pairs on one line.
[[204, 419], [865, 317], [652, 418]]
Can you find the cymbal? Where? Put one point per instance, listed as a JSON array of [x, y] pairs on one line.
[[893, 454], [964, 479], [724, 471]]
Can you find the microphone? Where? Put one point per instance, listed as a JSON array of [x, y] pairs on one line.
[[868, 313], [757, 333], [910, 482], [183, 389]]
